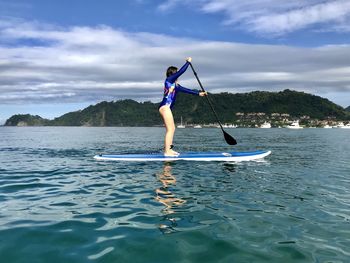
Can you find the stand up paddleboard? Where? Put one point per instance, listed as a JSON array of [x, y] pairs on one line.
[[204, 156]]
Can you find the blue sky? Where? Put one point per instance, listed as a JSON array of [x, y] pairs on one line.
[[59, 56]]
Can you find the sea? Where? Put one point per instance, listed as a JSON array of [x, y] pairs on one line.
[[58, 204]]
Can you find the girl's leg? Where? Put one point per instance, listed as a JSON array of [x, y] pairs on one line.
[[168, 119]]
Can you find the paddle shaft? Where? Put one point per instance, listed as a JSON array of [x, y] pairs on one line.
[[211, 105], [229, 139]]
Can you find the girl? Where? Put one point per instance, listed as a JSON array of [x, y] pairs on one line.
[[171, 87]]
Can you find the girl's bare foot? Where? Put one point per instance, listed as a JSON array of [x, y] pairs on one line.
[[171, 153], [174, 152]]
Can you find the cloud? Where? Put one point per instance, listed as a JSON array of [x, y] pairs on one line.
[[273, 17], [47, 64], [300, 18], [167, 5]]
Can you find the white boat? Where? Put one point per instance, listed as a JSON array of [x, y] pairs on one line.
[[265, 125], [197, 126], [342, 126], [228, 126], [181, 126], [347, 126], [327, 126], [339, 125], [294, 125]]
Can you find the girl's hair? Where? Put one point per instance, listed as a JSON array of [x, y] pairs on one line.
[[171, 70]]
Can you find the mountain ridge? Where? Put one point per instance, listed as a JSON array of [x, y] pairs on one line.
[[193, 109]]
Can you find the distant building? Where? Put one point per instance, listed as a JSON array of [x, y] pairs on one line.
[[331, 118], [275, 114], [251, 114]]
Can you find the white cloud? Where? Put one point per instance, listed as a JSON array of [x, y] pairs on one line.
[[300, 18], [273, 17], [169, 4], [43, 64]]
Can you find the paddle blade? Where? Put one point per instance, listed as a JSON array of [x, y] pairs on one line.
[[229, 139]]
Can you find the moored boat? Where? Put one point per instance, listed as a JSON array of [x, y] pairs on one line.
[[347, 126], [181, 126], [294, 125], [265, 125]]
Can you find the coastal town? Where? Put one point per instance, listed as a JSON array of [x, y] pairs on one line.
[[274, 120]]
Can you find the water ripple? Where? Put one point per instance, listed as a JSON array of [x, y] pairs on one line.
[[58, 204]]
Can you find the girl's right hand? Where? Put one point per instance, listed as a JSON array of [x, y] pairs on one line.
[[189, 59]]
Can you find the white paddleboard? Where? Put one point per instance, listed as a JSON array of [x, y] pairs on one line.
[[202, 156]]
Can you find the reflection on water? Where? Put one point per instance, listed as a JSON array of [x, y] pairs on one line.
[[167, 198], [229, 167]]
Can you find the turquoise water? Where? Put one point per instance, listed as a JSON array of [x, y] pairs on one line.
[[57, 204]]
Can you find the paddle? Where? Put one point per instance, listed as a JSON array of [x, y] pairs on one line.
[[229, 139]]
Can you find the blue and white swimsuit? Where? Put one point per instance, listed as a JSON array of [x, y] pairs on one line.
[[170, 96]]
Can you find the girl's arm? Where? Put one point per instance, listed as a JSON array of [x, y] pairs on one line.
[[186, 90], [181, 71]]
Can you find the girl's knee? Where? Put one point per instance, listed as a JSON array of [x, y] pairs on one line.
[[171, 128]]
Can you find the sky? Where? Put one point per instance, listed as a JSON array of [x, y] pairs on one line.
[[60, 56]]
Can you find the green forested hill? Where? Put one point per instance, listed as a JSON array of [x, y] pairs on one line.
[[294, 103], [118, 113], [26, 120], [193, 109]]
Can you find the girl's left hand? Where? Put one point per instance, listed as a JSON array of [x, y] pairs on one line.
[[203, 93]]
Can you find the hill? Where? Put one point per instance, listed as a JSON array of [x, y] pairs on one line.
[[295, 103], [193, 109], [347, 109], [26, 120], [117, 113]]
